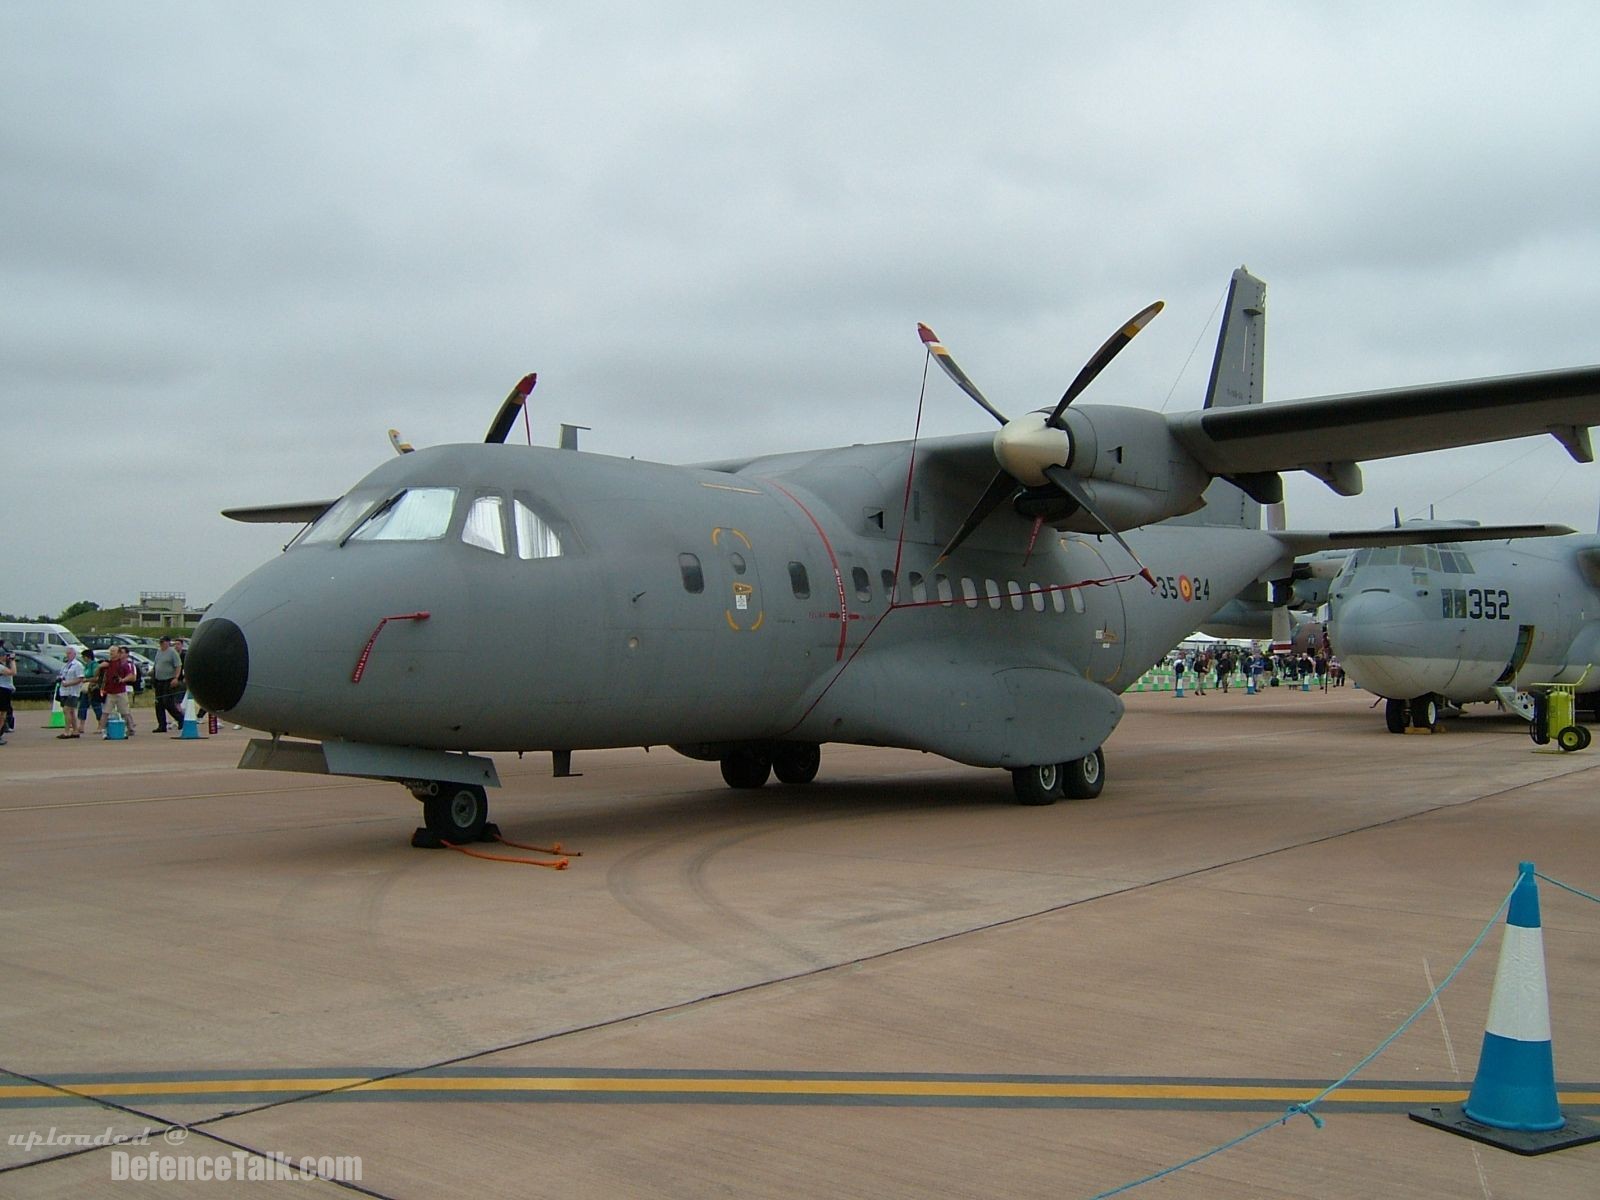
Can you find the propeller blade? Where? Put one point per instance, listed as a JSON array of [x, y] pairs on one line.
[[507, 416], [1068, 483], [1102, 357], [1000, 489], [956, 374]]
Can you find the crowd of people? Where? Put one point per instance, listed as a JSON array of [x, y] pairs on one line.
[[1220, 666], [104, 684]]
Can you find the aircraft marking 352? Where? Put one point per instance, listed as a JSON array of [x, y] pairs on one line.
[[972, 596]]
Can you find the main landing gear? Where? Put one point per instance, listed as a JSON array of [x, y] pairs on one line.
[[1081, 779], [457, 813], [1421, 713], [791, 762]]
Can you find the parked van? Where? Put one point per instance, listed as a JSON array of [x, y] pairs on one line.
[[52, 640]]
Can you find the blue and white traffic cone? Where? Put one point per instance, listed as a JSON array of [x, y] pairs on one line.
[[191, 719], [1513, 1103]]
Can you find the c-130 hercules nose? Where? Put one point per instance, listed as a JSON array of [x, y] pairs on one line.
[[218, 665]]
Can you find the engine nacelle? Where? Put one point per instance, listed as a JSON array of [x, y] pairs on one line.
[[1126, 458]]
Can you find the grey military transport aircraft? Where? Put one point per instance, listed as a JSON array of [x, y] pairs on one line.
[[1445, 623], [471, 598]]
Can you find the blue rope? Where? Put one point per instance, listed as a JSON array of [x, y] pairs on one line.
[[1306, 1108], [1567, 887]]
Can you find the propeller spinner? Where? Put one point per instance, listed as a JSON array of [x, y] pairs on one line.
[[1036, 450]]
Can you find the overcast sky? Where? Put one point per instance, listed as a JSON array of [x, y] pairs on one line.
[[240, 241]]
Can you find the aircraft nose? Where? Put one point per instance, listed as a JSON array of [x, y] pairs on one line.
[[1371, 623], [218, 665]]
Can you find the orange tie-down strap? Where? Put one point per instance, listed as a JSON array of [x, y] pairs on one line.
[[557, 864]]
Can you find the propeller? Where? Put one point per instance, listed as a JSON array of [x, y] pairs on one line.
[[507, 416], [1019, 444]]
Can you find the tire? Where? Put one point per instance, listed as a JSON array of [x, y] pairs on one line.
[[745, 769], [1394, 715], [1584, 744], [1425, 711], [1084, 778], [458, 813], [1573, 737], [796, 762], [1037, 785]]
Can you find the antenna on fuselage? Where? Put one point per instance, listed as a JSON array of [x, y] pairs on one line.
[[569, 435]]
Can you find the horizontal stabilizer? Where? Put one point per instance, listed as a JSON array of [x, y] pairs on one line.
[[301, 512]]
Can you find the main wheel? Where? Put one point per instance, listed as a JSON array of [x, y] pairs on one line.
[[457, 813], [1083, 778], [1425, 711], [1573, 737], [1394, 715], [746, 769], [1037, 785], [796, 762]]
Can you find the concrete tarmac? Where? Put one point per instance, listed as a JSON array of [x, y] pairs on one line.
[[892, 982]]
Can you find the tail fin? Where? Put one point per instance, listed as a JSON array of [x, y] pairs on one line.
[[1237, 377]]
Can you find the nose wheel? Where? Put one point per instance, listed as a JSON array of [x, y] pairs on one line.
[[457, 813]]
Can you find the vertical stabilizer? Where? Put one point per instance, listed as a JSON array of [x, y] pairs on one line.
[[1239, 367], [1237, 375]]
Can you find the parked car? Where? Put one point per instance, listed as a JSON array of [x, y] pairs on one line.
[[36, 675]]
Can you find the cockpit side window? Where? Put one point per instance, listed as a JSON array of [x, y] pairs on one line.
[[535, 537], [419, 514], [338, 520], [484, 527]]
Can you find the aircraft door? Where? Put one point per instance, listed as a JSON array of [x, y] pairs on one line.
[[744, 606]]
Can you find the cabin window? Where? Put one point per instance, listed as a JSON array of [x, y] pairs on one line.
[[1038, 597], [969, 592], [888, 585], [1412, 556], [535, 537], [919, 589], [736, 561], [414, 515], [1014, 590], [1077, 600], [799, 580], [992, 590], [694, 579], [863, 583], [941, 584], [483, 527]]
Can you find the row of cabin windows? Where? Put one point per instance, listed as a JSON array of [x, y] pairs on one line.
[[1017, 595]]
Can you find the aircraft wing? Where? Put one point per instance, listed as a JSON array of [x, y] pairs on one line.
[[1305, 541], [300, 512], [1323, 434]]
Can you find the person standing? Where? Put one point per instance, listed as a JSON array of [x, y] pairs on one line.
[[8, 688], [168, 667], [119, 673], [69, 687], [90, 696]]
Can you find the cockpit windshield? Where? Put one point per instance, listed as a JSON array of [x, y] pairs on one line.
[[489, 521], [419, 514]]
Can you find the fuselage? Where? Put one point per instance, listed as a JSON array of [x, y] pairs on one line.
[[575, 601], [1459, 620]]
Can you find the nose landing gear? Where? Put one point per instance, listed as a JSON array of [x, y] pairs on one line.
[[453, 813]]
